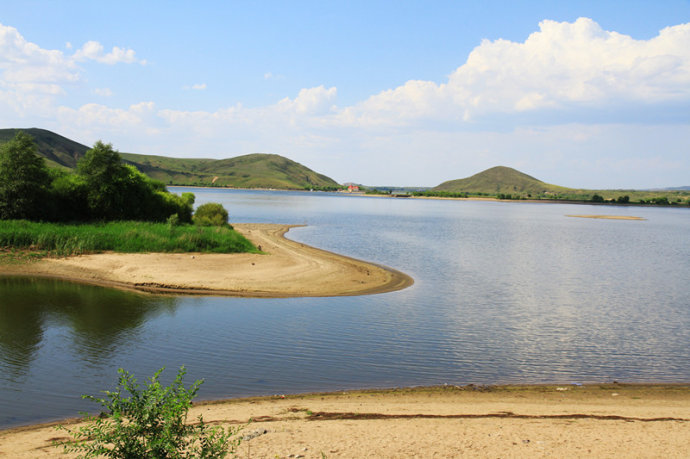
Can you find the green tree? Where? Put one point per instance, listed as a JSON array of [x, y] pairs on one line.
[[24, 180], [211, 214], [104, 175], [597, 198], [149, 423]]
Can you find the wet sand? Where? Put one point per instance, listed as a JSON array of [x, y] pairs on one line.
[[286, 269], [612, 420]]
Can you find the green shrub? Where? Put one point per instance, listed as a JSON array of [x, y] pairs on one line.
[[149, 423], [211, 214]]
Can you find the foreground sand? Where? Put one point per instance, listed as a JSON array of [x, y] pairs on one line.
[[286, 269], [534, 421]]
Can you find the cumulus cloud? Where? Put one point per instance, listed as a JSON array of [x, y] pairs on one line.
[[312, 101], [93, 50], [31, 78], [563, 66]]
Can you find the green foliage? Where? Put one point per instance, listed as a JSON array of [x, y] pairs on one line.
[[597, 198], [211, 214], [623, 199], [150, 423], [104, 188], [24, 179], [129, 237]]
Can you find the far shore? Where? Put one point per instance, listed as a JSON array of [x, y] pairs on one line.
[[285, 269], [596, 420], [444, 198]]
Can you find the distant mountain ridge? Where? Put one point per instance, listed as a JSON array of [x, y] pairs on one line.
[[257, 170], [499, 179]]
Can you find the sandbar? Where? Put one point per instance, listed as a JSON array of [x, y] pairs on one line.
[[608, 217], [606, 420], [285, 269]]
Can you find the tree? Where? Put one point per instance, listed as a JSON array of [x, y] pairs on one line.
[[211, 214], [117, 191], [150, 423], [105, 175], [24, 180]]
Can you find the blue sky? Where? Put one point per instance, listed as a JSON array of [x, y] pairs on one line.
[[581, 94]]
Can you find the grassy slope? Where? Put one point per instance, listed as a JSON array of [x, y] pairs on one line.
[[57, 150], [505, 180], [499, 179], [248, 171]]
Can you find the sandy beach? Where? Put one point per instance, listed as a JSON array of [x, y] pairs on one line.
[[286, 269], [603, 421]]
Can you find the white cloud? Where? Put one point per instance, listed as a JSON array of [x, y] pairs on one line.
[[103, 92], [196, 87], [563, 66], [31, 78], [93, 50], [312, 101]]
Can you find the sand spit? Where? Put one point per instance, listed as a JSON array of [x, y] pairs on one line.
[[286, 269], [608, 217], [613, 420]]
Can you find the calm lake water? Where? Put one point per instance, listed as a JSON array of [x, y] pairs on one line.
[[503, 293]]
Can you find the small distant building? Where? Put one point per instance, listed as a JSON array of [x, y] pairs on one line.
[[352, 189]]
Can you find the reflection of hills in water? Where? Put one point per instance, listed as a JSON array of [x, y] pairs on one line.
[[97, 319]]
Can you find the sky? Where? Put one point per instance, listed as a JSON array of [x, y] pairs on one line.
[[584, 94]]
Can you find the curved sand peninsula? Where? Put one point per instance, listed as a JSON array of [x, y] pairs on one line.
[[286, 269], [612, 420]]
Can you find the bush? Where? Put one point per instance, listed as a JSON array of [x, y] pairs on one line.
[[211, 214], [151, 423]]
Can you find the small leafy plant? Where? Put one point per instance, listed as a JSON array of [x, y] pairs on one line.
[[149, 423]]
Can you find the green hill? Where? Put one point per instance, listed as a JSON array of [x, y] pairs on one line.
[[507, 183], [500, 179], [58, 151], [256, 170]]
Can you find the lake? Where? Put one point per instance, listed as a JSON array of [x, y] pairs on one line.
[[505, 292]]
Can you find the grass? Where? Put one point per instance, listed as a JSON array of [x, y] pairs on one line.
[[20, 237]]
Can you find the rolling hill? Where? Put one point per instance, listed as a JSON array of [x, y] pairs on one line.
[[256, 170], [500, 179], [507, 183]]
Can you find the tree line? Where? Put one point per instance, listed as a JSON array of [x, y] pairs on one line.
[[103, 188]]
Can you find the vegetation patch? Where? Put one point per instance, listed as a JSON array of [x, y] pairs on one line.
[[24, 240]]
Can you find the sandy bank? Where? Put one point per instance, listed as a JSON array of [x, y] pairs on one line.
[[608, 217], [532, 421], [287, 269]]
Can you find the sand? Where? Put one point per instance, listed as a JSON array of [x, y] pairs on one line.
[[286, 269], [611, 420], [608, 217]]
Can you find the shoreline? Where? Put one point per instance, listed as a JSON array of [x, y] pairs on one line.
[[285, 269], [601, 420]]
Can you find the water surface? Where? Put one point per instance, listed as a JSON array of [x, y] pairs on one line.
[[503, 293]]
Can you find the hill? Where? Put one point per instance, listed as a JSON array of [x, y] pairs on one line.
[[58, 151], [507, 183], [499, 180], [256, 170]]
